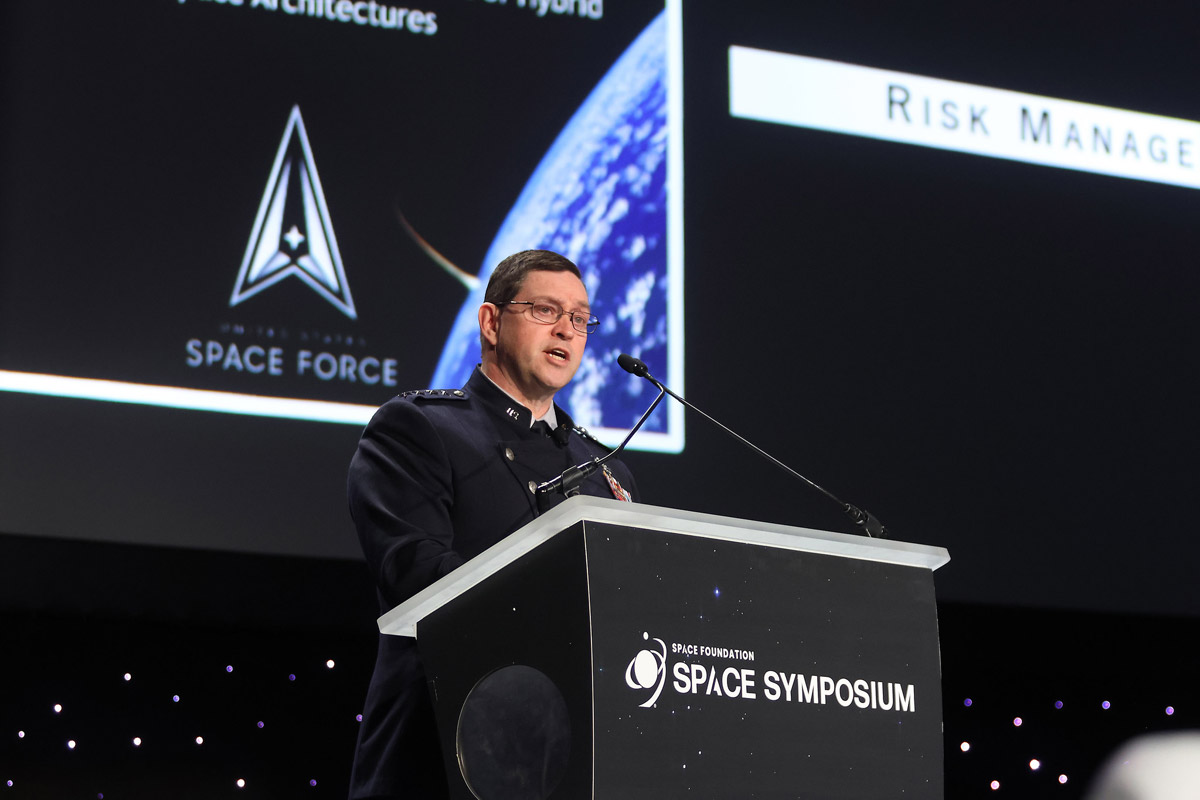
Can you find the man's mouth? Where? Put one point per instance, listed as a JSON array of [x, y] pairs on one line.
[[562, 355]]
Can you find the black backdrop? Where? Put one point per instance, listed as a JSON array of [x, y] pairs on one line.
[[991, 356], [994, 357]]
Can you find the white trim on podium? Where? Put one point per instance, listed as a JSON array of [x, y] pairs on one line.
[[402, 620]]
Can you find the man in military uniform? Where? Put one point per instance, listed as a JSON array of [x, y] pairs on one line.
[[441, 475]]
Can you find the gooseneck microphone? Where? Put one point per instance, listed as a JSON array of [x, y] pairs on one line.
[[863, 519], [568, 482]]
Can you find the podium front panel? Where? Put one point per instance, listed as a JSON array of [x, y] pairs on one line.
[[526, 621], [723, 669]]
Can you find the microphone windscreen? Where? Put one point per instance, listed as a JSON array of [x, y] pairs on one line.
[[560, 435], [634, 366]]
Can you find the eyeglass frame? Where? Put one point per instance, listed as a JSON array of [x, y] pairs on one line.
[[589, 327]]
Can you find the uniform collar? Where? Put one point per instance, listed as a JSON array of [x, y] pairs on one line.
[[519, 415]]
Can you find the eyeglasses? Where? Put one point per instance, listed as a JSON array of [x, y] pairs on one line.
[[548, 314]]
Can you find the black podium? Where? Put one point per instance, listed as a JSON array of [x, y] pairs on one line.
[[615, 650]]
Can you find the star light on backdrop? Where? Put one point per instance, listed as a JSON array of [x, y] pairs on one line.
[[191, 722], [179, 730]]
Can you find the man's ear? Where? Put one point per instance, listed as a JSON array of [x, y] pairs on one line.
[[489, 323]]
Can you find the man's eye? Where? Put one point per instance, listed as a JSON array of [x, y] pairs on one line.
[[545, 310]]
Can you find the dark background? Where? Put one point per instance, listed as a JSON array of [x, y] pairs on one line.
[[993, 357]]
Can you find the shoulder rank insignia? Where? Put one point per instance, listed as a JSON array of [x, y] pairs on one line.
[[430, 394], [619, 491], [582, 433]]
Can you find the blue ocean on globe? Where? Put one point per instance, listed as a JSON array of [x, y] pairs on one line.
[[599, 197]]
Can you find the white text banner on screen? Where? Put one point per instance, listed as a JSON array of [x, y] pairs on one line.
[[899, 107]]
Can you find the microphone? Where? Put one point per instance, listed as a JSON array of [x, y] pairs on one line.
[[569, 481], [635, 366], [863, 519]]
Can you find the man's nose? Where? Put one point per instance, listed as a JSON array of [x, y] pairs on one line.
[[564, 329]]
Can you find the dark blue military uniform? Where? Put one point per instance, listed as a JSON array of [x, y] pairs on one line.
[[440, 476]]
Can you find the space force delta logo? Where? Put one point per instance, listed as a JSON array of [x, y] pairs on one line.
[[649, 670], [292, 238], [307, 248]]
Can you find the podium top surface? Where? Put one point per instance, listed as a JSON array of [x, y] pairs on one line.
[[402, 620]]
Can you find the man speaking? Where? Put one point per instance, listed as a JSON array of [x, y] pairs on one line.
[[441, 475]]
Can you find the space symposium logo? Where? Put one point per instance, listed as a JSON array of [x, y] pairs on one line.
[[704, 670]]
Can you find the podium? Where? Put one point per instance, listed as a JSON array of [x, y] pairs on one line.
[[616, 650]]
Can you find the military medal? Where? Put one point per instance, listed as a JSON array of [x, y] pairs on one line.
[[618, 490]]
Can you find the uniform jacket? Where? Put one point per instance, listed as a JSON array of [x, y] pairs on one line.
[[438, 477]]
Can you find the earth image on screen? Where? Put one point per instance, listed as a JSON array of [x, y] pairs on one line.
[[599, 197]]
